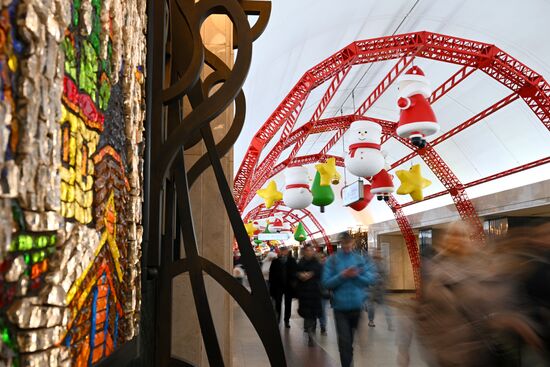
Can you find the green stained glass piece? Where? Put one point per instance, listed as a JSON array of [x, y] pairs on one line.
[[104, 94], [36, 257], [76, 11], [70, 61], [94, 38], [88, 69], [53, 240], [25, 242], [27, 259], [6, 336], [42, 241]]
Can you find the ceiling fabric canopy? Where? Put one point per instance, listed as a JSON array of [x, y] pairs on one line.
[[486, 128]]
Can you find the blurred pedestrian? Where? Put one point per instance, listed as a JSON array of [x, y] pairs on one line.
[[466, 313], [325, 297], [282, 280], [347, 275], [266, 265], [308, 290], [377, 292]]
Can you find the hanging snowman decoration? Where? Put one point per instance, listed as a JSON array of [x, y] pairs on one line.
[[297, 194], [364, 158], [416, 119]]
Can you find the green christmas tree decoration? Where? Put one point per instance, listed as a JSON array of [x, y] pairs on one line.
[[322, 195], [258, 242], [300, 233]]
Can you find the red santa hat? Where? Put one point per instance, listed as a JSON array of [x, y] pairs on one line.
[[278, 222], [414, 74]]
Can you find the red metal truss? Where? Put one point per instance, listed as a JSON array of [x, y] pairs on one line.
[[523, 167], [384, 84], [289, 108], [453, 185], [471, 121], [305, 159], [471, 55], [327, 97], [261, 212], [410, 238], [450, 83]]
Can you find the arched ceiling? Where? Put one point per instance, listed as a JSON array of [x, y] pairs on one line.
[[303, 33]]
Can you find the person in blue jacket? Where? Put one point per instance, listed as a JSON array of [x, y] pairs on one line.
[[347, 274]]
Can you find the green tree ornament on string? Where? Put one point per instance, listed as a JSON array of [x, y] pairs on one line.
[[300, 234], [322, 195]]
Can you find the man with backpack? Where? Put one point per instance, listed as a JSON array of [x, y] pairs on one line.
[[347, 275]]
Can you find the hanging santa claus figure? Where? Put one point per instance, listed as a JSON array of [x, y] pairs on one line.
[[382, 185], [297, 194], [417, 119], [364, 158]]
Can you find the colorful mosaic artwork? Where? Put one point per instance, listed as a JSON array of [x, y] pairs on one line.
[[71, 121]]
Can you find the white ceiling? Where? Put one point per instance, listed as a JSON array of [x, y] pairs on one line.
[[301, 33]]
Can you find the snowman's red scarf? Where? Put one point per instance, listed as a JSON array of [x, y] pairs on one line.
[[354, 147], [297, 186]]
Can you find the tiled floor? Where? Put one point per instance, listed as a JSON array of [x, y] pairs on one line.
[[374, 347]]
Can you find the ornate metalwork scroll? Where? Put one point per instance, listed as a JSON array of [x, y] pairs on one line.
[[176, 57]]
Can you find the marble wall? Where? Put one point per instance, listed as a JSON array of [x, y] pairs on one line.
[[214, 235], [400, 275]]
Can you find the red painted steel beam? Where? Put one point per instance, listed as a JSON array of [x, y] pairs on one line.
[[306, 159], [471, 121], [529, 85], [495, 176], [261, 212], [453, 185], [410, 238], [496, 63], [382, 86], [450, 83], [266, 165], [286, 109], [327, 97]]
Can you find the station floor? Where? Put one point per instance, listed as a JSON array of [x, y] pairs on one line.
[[374, 346]]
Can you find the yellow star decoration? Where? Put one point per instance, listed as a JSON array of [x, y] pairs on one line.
[[270, 194], [328, 172], [250, 229], [412, 183]]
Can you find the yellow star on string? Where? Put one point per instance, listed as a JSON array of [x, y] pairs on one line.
[[250, 229], [328, 172], [412, 183], [270, 194]]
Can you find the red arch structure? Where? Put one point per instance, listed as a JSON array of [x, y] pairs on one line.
[[523, 82], [293, 217]]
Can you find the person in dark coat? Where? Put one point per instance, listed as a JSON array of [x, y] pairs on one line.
[[282, 279], [308, 290]]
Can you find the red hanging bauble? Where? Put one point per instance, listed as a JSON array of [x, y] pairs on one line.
[[367, 197]]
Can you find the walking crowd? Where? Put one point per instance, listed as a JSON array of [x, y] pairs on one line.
[[343, 280], [478, 306]]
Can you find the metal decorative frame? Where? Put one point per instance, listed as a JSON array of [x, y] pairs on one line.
[[523, 82], [293, 217], [176, 58]]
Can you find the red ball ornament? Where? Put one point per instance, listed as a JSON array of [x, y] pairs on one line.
[[367, 197]]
